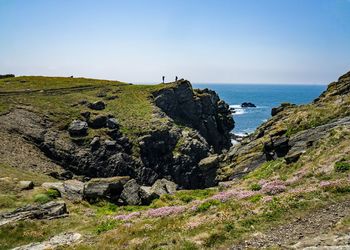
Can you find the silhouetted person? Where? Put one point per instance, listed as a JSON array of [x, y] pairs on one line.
[[175, 78], [163, 78]]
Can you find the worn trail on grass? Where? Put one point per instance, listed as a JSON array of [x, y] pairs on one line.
[[48, 91], [315, 223]]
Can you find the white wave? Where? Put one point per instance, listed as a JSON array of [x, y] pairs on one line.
[[241, 134], [234, 142], [238, 109]]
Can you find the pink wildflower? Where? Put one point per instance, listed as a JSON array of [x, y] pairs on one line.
[[127, 216], [238, 194], [266, 199], [165, 211], [273, 187]]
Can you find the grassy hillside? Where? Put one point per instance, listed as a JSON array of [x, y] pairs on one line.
[[277, 205], [58, 98]]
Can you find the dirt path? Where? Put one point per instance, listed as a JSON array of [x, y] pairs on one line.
[[49, 91], [302, 230]]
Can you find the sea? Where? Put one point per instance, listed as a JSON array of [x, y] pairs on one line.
[[264, 96]]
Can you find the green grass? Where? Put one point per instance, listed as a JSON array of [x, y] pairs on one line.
[[342, 166], [132, 104]]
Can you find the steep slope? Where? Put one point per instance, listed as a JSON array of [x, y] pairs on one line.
[[292, 131], [98, 128]]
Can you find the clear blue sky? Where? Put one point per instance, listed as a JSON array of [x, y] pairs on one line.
[[254, 41]]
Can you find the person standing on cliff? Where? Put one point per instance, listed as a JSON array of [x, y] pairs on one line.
[[176, 78], [163, 78]]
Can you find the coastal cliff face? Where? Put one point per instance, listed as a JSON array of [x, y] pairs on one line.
[[57, 133], [179, 128], [201, 110], [292, 132]]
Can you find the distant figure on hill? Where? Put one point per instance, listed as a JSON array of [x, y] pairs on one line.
[[176, 78], [163, 78]]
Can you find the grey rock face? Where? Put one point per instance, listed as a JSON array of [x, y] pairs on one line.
[[74, 190], [50, 210], [199, 109], [78, 128], [105, 188], [208, 168], [26, 185], [147, 195], [131, 193], [163, 186], [99, 105]]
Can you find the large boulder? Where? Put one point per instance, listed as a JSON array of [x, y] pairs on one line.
[[147, 195], [163, 186], [73, 190], [78, 128], [131, 193], [50, 210], [98, 121], [26, 185], [58, 186], [208, 168], [112, 123], [105, 188]]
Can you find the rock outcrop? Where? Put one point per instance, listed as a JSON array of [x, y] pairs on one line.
[[199, 125], [50, 210], [199, 109], [289, 133], [61, 240]]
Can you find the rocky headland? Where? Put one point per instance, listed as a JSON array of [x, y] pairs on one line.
[[114, 165]]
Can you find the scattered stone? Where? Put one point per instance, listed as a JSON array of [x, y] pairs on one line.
[[63, 239], [112, 123], [248, 105], [105, 188], [78, 128], [50, 210], [99, 105], [26, 185], [86, 115], [130, 194]]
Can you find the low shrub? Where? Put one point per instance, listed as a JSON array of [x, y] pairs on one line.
[[342, 166], [53, 193], [255, 187], [106, 226], [42, 198], [206, 205]]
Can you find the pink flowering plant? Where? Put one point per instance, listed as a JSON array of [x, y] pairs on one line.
[[274, 187]]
